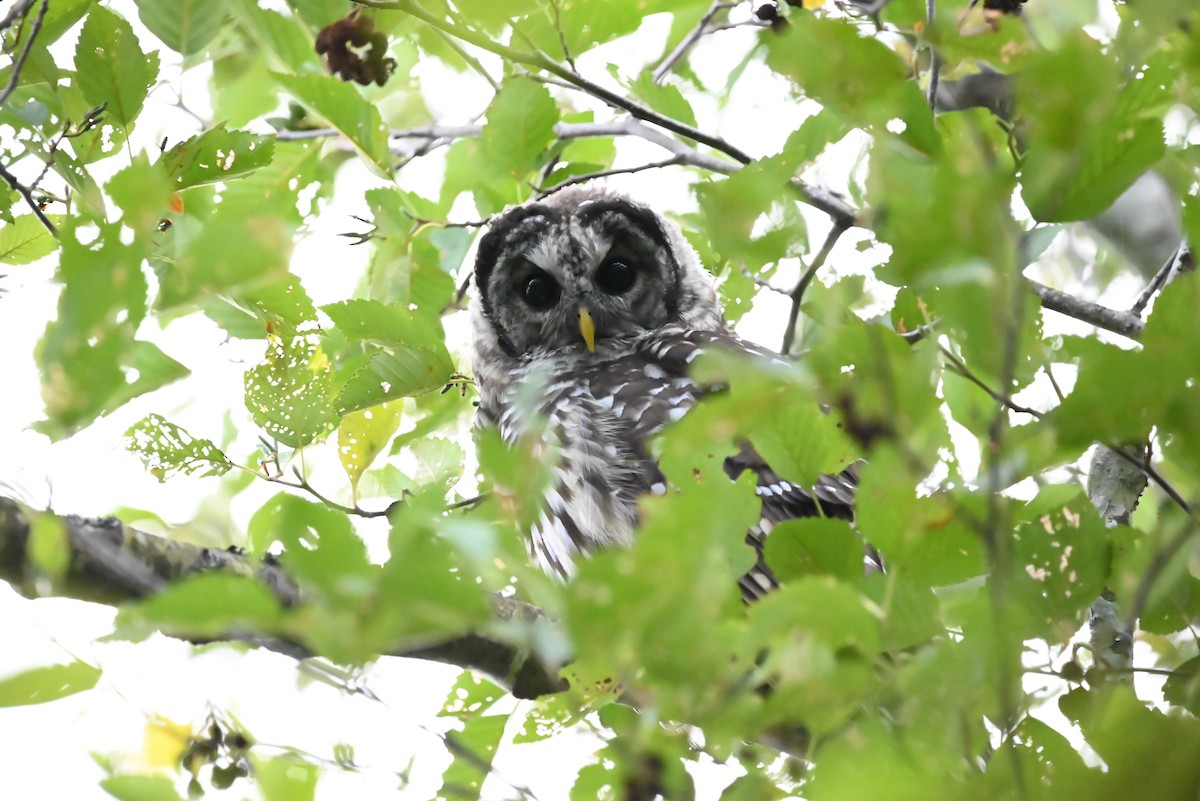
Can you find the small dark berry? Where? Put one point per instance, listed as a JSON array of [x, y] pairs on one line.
[[767, 12]]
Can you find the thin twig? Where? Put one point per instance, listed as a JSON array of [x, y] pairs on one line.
[[935, 61], [562, 36], [472, 62], [19, 64], [797, 293], [25, 192], [1177, 261], [540, 61], [13, 80], [1151, 472], [302, 484], [20, 9], [762, 283], [689, 41], [591, 176], [960, 367]]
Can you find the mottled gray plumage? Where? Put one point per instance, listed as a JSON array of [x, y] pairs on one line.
[[654, 310]]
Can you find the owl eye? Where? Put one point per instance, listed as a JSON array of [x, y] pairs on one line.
[[615, 277], [540, 291]]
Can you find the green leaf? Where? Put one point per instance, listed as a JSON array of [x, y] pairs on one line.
[[363, 435], [217, 155], [799, 441], [353, 115], [285, 778], [49, 547], [664, 98], [61, 17], [822, 608], [39, 685], [1061, 557], [413, 357], [111, 68], [283, 37], [142, 192], [166, 450], [440, 460], [320, 549], [1182, 688], [89, 358], [398, 372], [290, 394], [140, 788], [519, 127], [207, 605], [425, 594], [25, 240], [475, 747], [229, 254], [185, 26], [388, 324], [814, 546], [471, 696], [1092, 136], [859, 77]]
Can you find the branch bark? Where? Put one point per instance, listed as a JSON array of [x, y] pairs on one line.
[[111, 563]]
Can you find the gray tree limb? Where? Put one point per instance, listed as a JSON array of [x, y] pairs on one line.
[[111, 563]]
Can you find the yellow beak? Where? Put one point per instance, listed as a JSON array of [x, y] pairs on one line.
[[587, 327]]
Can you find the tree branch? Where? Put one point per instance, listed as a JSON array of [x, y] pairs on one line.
[[19, 64], [1179, 261], [591, 176], [540, 61], [21, 9], [1126, 324], [689, 41], [111, 563], [797, 293]]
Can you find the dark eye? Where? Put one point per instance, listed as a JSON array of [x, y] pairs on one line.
[[540, 291], [615, 277]]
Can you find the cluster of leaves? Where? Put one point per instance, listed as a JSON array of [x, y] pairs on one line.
[[911, 679]]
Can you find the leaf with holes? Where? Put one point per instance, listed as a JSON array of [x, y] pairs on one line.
[[290, 394], [167, 450], [217, 155]]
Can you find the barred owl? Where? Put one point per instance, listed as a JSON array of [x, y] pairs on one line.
[[589, 309]]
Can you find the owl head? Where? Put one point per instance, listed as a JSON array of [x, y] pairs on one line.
[[584, 272]]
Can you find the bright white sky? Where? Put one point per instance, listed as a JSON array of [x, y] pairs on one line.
[[46, 748]]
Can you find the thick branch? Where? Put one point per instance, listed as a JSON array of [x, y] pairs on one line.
[[111, 563], [1119, 322]]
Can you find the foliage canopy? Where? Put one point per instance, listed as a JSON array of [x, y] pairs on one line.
[[958, 673]]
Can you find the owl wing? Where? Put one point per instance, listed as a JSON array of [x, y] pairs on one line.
[[651, 387]]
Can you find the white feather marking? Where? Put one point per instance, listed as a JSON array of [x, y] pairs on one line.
[[677, 412], [653, 371]]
